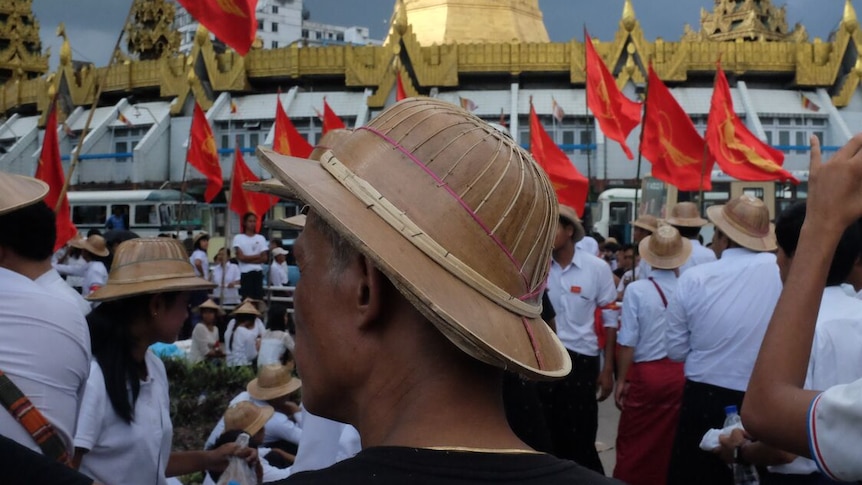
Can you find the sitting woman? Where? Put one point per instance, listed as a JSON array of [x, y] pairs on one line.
[[124, 425], [205, 336], [276, 344], [242, 342]]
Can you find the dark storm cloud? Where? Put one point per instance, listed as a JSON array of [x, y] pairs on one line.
[[93, 25]]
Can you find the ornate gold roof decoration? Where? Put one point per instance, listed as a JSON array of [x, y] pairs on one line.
[[745, 20], [21, 57], [473, 21], [150, 32]]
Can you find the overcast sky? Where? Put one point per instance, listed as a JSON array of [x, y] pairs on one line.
[[93, 25]]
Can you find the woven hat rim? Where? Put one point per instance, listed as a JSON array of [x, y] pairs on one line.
[[115, 291], [311, 183], [32, 191], [687, 221], [267, 393], [664, 262], [85, 244], [767, 243]]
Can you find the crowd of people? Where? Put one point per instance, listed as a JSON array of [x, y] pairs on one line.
[[436, 266]]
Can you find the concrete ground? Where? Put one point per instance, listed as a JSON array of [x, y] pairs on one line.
[[609, 417]]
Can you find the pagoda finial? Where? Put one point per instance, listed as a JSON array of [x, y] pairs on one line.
[[849, 21], [400, 20], [66, 48], [629, 18]]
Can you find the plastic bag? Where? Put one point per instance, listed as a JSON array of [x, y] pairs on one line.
[[238, 472]]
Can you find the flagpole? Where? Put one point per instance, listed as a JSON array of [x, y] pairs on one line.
[[590, 129], [73, 163], [641, 141], [185, 171]]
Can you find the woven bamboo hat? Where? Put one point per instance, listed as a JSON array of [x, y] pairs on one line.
[[571, 215], [296, 222], [18, 191], [95, 244], [210, 305], [647, 222], [665, 248], [149, 265], [459, 218], [686, 214], [247, 416], [273, 381], [745, 220], [247, 308]]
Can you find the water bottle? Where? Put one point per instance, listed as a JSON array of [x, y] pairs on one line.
[[742, 474]]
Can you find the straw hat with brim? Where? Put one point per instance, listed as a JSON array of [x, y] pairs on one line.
[[646, 222], [297, 221], [745, 220], [571, 215], [210, 305], [665, 248], [458, 217], [94, 244], [273, 381], [247, 416], [247, 308], [18, 191], [685, 214], [149, 265]]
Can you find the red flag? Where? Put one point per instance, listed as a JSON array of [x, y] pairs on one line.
[[739, 153], [50, 171], [287, 140], [203, 154], [331, 121], [400, 93], [242, 202], [671, 142], [617, 115], [571, 187], [233, 21], [122, 118]]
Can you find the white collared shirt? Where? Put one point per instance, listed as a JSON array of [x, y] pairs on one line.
[[719, 314], [575, 292], [589, 245], [277, 274], [200, 255], [278, 428], [835, 431], [644, 319], [45, 351], [54, 283], [699, 255]]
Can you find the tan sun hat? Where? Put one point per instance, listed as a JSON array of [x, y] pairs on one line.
[[199, 236], [686, 214], [149, 265], [211, 305], [570, 215], [745, 220], [273, 381], [646, 222], [665, 248], [94, 244], [247, 308], [297, 221], [19, 191], [247, 416], [458, 216]]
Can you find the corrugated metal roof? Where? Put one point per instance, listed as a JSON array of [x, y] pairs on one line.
[[19, 128], [99, 117], [143, 114], [262, 106], [776, 102]]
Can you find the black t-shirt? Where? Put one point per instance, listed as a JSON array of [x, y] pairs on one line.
[[418, 466], [22, 466]]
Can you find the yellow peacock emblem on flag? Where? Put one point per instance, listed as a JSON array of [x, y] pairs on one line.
[[732, 148], [231, 7], [209, 147], [676, 156]]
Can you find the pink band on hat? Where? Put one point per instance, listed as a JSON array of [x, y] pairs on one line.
[[460, 201]]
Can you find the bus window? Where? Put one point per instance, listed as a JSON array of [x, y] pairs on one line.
[[753, 192], [146, 215], [90, 215]]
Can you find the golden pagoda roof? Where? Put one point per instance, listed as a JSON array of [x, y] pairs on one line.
[[745, 20], [22, 57]]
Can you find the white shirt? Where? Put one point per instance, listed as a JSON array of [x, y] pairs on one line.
[[589, 245], [95, 277], [54, 283], [203, 342], [644, 270], [699, 255], [45, 352], [200, 255], [644, 318], [259, 330], [835, 431], [278, 428], [223, 277], [719, 314], [277, 274], [836, 354], [272, 347], [242, 348], [72, 272], [575, 292], [250, 246], [134, 453], [324, 442]]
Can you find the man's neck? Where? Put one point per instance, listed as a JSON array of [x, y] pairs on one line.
[[565, 254], [28, 268]]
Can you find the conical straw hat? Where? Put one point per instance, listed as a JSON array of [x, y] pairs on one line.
[[458, 216], [745, 220], [665, 248], [686, 214], [18, 191]]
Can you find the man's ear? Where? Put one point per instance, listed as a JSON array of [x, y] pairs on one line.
[[370, 291]]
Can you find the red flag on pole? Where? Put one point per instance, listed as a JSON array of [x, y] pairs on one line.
[[739, 153], [203, 154], [331, 121], [670, 141], [50, 171], [571, 187], [287, 140], [234, 22], [400, 93], [242, 202], [616, 114]]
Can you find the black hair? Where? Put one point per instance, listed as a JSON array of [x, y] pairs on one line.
[[112, 344], [246, 216], [567, 223], [629, 246], [94, 232], [788, 226], [688, 232], [201, 239], [275, 317], [29, 231]]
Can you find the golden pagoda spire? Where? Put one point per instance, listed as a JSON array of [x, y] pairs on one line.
[[629, 18], [66, 48], [849, 19]]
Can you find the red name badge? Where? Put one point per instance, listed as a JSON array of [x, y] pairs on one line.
[[575, 289]]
